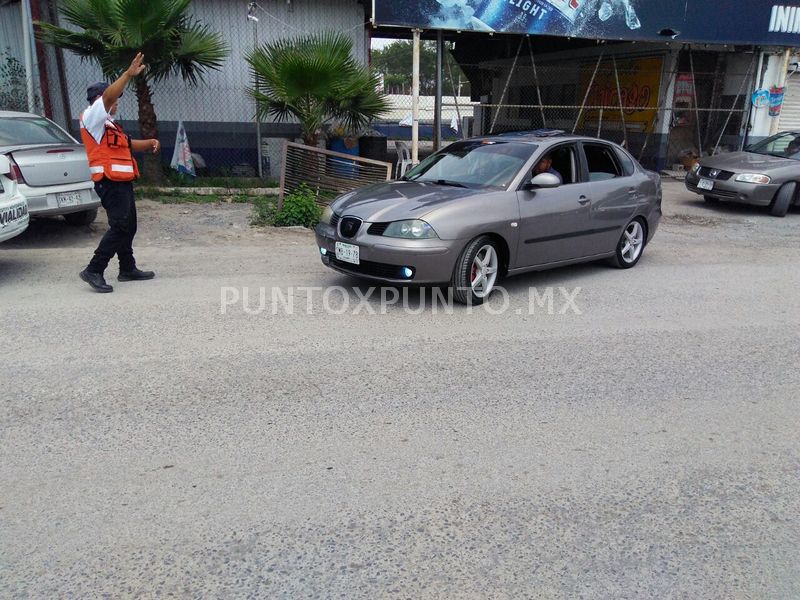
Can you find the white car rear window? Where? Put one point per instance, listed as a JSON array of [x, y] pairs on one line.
[[31, 130]]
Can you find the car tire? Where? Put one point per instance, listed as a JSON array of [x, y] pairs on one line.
[[711, 199], [631, 244], [79, 219], [782, 200], [476, 272]]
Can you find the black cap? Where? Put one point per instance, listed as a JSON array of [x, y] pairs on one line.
[[97, 89]]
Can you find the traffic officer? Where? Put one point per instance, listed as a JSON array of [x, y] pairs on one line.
[[113, 170]]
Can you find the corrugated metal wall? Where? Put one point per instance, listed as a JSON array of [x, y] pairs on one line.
[[222, 97], [11, 29]]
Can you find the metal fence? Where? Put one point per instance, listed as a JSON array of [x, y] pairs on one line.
[[218, 114], [327, 173], [663, 105]]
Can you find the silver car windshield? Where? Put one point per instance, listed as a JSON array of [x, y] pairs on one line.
[[474, 164], [31, 130], [784, 145]]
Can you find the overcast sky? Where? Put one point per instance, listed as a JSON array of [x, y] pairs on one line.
[[380, 44]]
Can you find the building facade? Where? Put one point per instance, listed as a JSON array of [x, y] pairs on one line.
[[218, 113]]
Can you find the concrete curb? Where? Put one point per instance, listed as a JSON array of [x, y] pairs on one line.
[[216, 191]]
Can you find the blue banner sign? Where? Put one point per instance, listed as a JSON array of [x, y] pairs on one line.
[[760, 22]]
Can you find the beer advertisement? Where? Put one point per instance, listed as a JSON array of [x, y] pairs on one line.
[[746, 21]]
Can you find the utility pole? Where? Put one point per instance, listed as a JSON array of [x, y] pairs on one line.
[[415, 99], [27, 28], [437, 110], [251, 16]]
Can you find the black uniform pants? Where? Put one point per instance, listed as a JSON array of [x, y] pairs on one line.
[[118, 200]]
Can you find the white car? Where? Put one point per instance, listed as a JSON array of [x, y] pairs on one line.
[[50, 167], [13, 206]]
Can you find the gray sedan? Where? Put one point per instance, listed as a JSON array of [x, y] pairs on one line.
[[50, 167], [487, 207], [765, 174]]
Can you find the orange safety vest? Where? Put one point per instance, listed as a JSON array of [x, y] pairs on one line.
[[112, 157]]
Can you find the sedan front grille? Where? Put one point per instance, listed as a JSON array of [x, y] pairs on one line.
[[717, 174], [349, 226], [377, 228], [715, 193]]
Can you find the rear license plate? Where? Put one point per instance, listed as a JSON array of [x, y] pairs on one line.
[[347, 253], [69, 199], [705, 184]]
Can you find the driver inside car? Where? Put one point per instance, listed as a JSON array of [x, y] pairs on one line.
[[545, 165]]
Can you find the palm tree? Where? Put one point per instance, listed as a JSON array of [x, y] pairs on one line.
[[315, 80], [111, 32]]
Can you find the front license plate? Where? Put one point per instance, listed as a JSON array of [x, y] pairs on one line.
[[705, 184], [347, 253], [69, 199]]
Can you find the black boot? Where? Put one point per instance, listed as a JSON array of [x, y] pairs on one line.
[[96, 281], [135, 275]]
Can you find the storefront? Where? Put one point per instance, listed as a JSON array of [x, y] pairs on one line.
[[666, 79]]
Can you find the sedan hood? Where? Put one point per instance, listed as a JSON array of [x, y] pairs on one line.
[[395, 200], [747, 161]]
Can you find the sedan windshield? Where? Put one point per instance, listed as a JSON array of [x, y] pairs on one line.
[[474, 164], [784, 145], [31, 130]]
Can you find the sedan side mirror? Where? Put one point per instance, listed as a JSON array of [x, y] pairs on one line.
[[5, 165], [545, 180]]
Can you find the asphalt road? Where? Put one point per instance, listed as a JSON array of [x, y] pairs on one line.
[[647, 447]]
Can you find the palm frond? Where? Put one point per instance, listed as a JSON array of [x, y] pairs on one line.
[[111, 32], [315, 79], [199, 50]]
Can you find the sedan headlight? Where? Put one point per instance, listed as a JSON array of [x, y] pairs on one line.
[[327, 215], [412, 229], [695, 167], [752, 178]]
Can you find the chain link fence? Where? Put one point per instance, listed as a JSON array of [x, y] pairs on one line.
[[218, 114], [665, 106]]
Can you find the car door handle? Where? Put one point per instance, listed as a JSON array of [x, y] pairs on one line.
[[633, 192], [583, 200]]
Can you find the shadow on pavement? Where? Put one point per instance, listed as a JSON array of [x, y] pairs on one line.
[[55, 232], [416, 297], [731, 208]]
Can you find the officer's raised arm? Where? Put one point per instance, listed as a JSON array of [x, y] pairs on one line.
[[114, 91]]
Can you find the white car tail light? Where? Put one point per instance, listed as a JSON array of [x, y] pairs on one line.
[[16, 172]]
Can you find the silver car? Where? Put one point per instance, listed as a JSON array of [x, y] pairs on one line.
[[50, 167], [765, 174], [487, 207]]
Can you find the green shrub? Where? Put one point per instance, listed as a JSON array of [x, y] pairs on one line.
[[299, 208], [264, 210]]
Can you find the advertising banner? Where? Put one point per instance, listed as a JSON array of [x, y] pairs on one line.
[[639, 83], [760, 22]]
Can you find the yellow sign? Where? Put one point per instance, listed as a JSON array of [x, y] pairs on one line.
[[639, 86]]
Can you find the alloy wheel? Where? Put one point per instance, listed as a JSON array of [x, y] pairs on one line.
[[483, 274], [632, 242]]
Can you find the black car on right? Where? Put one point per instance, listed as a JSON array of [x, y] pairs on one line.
[[764, 174]]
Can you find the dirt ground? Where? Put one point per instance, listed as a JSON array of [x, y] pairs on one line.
[[156, 445]]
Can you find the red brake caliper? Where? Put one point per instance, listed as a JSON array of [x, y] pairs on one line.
[[474, 273]]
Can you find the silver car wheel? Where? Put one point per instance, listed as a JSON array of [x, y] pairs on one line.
[[632, 242], [484, 271]]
